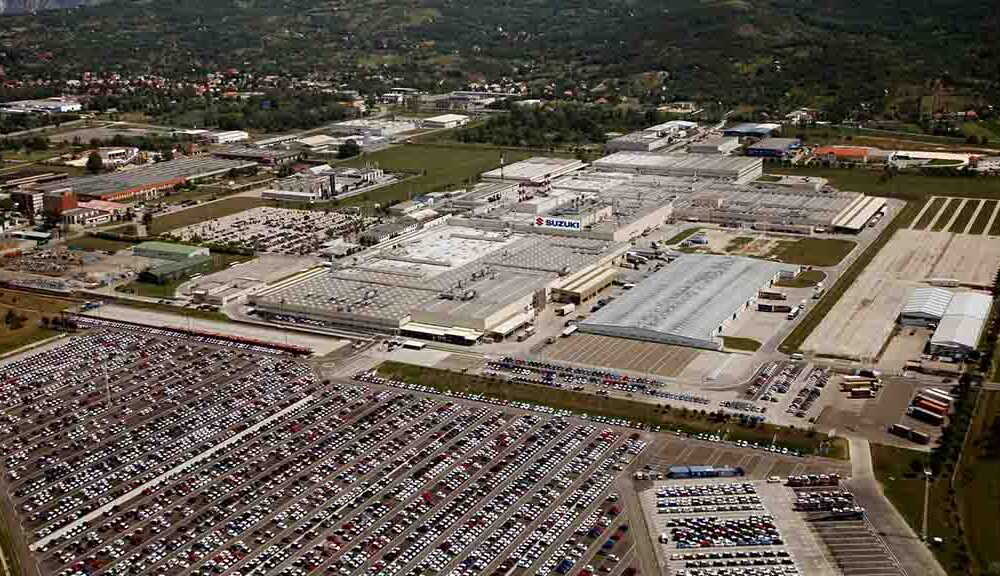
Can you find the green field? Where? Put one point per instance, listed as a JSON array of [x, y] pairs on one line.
[[744, 344], [7, 550], [681, 236], [978, 486], [928, 216], [946, 213], [813, 251], [964, 216], [438, 167], [983, 219], [835, 292], [906, 186], [203, 212], [806, 279], [690, 421], [220, 261], [31, 309]]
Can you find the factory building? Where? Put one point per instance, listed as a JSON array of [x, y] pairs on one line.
[[445, 121], [378, 127], [957, 334], [926, 306], [227, 137], [534, 171], [735, 169], [150, 180], [775, 148], [55, 105], [638, 142], [263, 156], [451, 282], [717, 145], [691, 302], [750, 130]]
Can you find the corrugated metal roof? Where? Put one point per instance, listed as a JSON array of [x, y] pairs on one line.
[[963, 321], [686, 302], [928, 302]]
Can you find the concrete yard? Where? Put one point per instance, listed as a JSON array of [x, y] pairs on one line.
[[860, 324], [621, 353]]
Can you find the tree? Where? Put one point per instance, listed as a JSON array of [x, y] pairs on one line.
[[348, 149], [147, 218], [94, 162]]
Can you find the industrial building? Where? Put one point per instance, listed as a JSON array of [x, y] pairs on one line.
[[691, 302], [169, 251], [227, 137], [735, 169], [925, 306], [263, 156], [642, 141], [149, 180], [958, 333], [381, 127], [537, 170], [718, 145], [55, 105], [445, 121], [451, 282], [679, 128], [304, 187], [750, 130], [775, 148]]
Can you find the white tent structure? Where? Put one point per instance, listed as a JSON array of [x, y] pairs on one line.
[[962, 325]]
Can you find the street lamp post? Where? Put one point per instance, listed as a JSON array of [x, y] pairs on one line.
[[927, 498]]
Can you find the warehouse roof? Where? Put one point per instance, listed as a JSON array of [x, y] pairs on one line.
[[169, 247], [777, 144], [149, 175], [686, 302], [680, 163], [928, 302], [963, 321], [537, 169]]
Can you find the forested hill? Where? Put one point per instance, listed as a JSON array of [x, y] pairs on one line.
[[732, 50]]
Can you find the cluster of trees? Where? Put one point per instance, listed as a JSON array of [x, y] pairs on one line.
[[558, 125], [10, 123], [834, 54], [269, 112]]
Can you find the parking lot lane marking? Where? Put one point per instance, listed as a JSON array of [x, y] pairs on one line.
[[152, 483]]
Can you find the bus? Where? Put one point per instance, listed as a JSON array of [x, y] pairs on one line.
[[927, 416]]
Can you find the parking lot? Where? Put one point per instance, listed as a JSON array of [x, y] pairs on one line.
[[795, 525], [623, 354], [273, 230], [216, 459]]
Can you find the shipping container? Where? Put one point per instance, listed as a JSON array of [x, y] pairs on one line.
[[761, 307], [862, 393], [771, 295], [935, 407], [938, 395], [925, 416], [848, 385], [900, 430], [920, 437]]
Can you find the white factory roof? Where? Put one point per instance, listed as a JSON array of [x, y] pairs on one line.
[[672, 126], [447, 118], [686, 302], [963, 321], [928, 302], [318, 140], [537, 169], [682, 163]]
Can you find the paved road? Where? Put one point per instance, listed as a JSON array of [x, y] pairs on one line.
[[913, 556]]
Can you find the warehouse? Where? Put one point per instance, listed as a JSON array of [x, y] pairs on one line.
[[445, 121], [752, 130], [691, 302], [380, 127], [169, 251], [149, 180], [169, 272], [718, 145], [856, 216], [775, 148], [735, 169], [638, 141], [228, 137], [926, 306], [449, 282], [265, 157], [958, 333], [537, 170]]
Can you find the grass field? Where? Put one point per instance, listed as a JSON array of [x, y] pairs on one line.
[[203, 212], [807, 279], [13, 567], [185, 312], [744, 344], [836, 292], [906, 186], [964, 216], [220, 261], [440, 167], [983, 219], [928, 216], [681, 236], [946, 213], [813, 251], [995, 228], [691, 421], [738, 243], [31, 308], [100, 244]]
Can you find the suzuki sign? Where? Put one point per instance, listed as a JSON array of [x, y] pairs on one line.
[[557, 223]]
